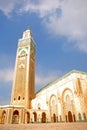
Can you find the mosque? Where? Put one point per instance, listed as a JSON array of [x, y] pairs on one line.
[[63, 100]]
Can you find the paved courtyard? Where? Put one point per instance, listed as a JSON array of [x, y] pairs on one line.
[[49, 126]]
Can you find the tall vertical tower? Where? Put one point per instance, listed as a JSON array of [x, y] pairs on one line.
[[24, 76]]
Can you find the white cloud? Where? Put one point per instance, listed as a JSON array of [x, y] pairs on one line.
[[6, 75], [43, 8], [70, 21], [7, 6], [61, 17]]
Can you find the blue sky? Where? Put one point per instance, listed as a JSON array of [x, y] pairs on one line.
[[59, 29]]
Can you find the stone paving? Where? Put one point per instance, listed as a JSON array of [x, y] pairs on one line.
[[49, 126]]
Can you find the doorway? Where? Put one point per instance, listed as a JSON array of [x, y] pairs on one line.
[[70, 117], [43, 117], [15, 117]]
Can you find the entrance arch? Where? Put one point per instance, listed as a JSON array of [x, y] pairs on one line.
[[28, 117], [70, 117], [3, 117], [74, 118], [54, 117], [43, 117], [15, 119], [68, 109], [53, 108], [80, 117]]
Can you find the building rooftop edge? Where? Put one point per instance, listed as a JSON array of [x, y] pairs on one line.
[[58, 79], [5, 106]]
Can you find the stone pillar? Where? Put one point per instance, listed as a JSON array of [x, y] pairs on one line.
[[25, 117], [9, 115], [22, 116]]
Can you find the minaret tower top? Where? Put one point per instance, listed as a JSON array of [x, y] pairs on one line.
[[27, 34], [27, 38]]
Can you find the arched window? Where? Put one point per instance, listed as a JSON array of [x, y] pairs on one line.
[[39, 106], [23, 98], [18, 97], [68, 102], [78, 86], [14, 98], [53, 104], [23, 52]]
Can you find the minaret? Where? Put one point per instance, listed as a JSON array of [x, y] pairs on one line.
[[24, 77]]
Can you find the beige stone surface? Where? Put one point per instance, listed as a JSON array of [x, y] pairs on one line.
[[49, 126]]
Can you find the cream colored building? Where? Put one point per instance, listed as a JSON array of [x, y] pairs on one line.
[[64, 100]]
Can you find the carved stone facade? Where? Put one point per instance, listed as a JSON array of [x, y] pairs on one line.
[[64, 100]]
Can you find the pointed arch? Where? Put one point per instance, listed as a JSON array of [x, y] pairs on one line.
[[53, 108], [15, 118], [68, 105], [70, 117], [54, 117], [28, 117], [43, 117], [78, 87], [23, 52], [3, 117]]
